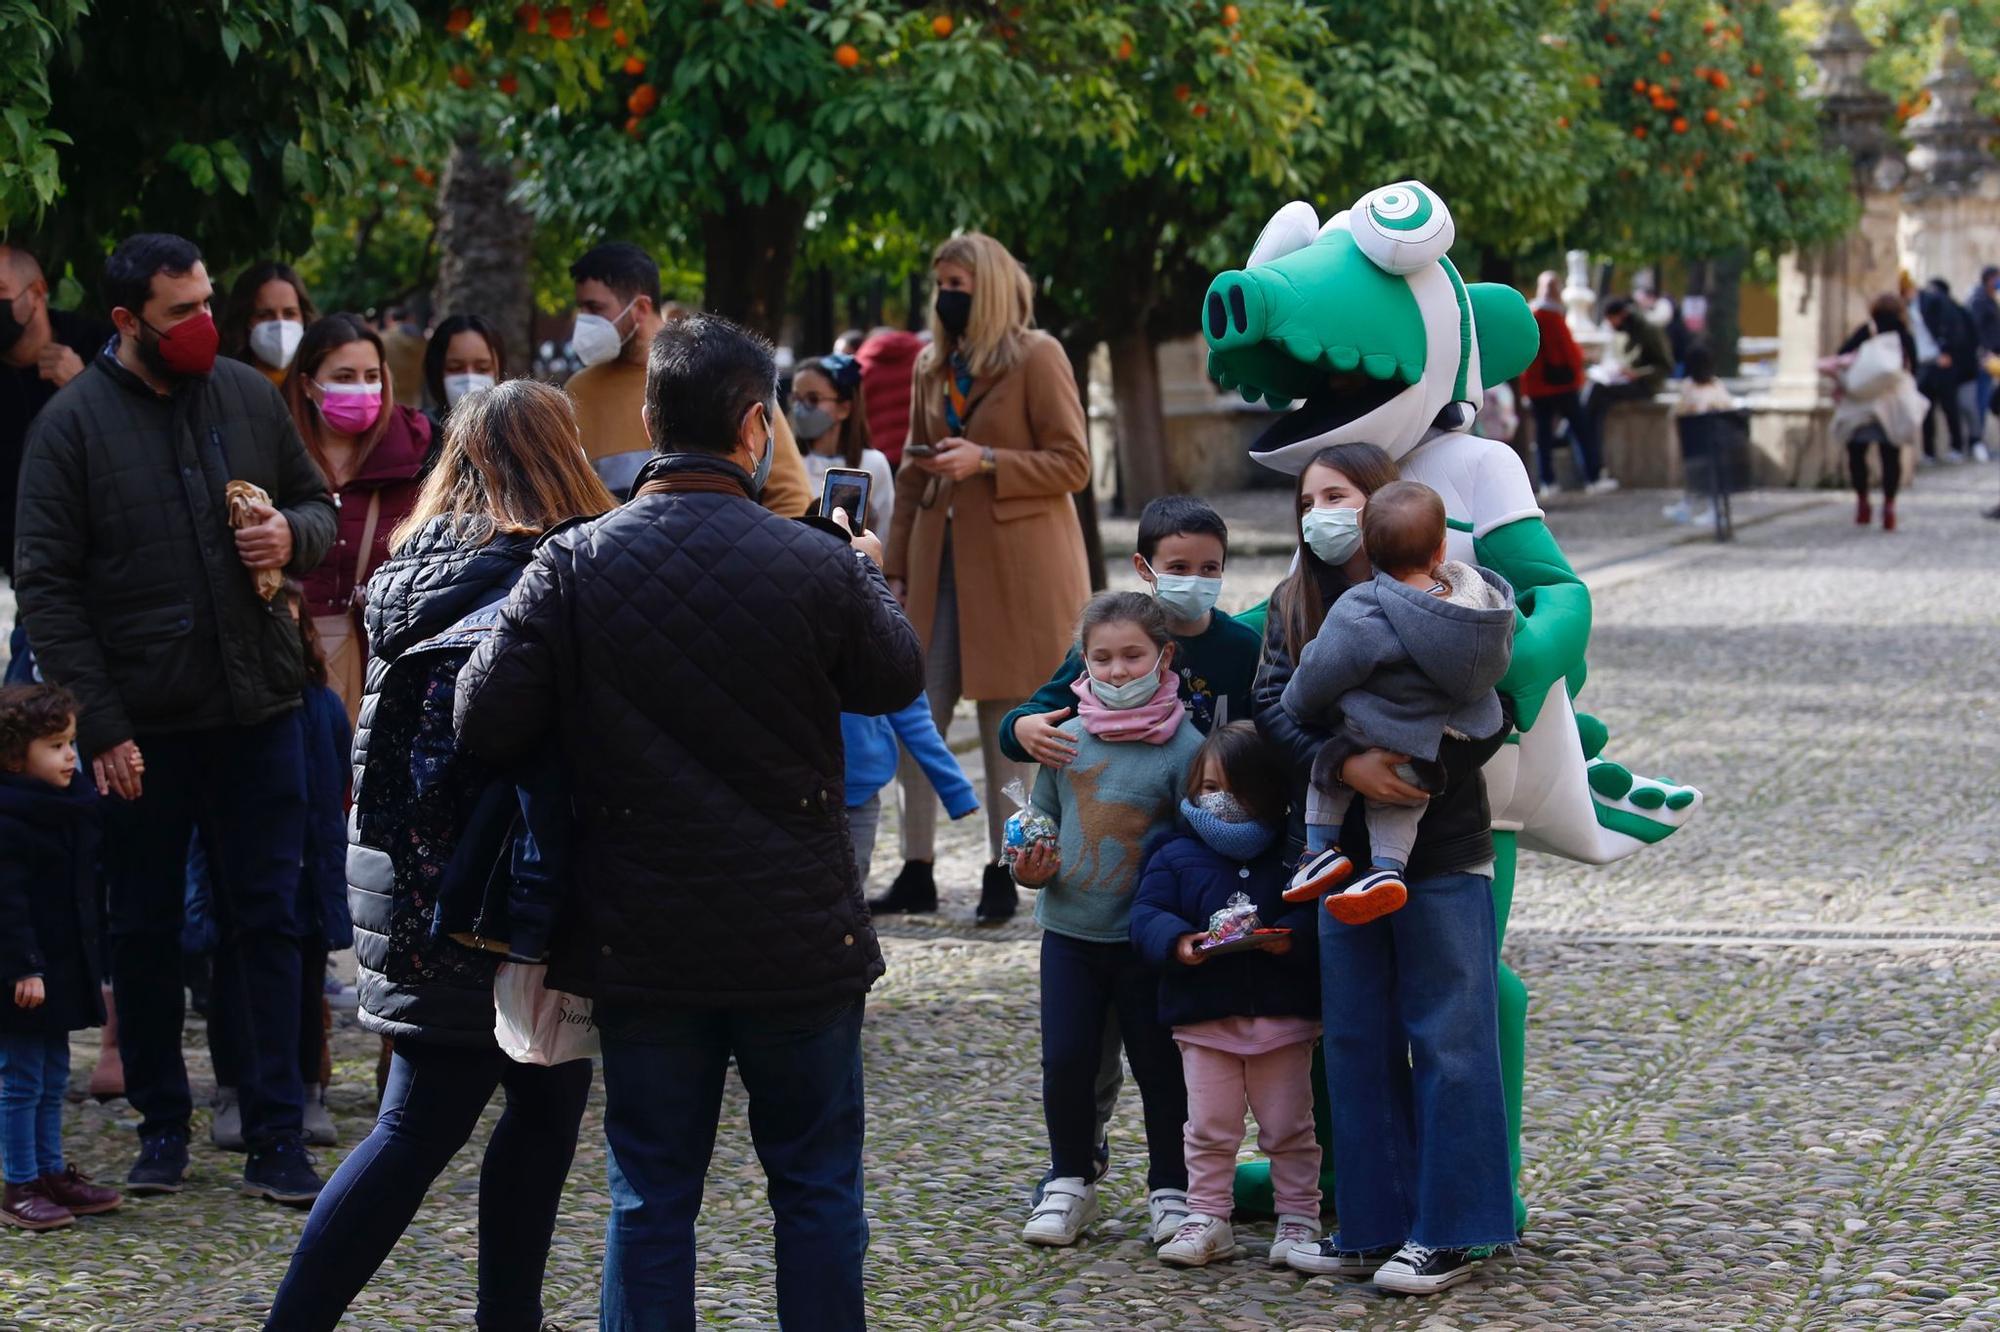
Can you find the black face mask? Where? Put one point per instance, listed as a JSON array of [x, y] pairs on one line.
[[12, 330], [954, 311]]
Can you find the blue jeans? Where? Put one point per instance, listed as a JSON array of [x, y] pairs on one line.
[[663, 1076], [34, 1074], [1411, 1006], [244, 787], [430, 1109], [1082, 982]]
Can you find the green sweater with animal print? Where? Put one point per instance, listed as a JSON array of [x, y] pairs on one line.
[[1113, 804]]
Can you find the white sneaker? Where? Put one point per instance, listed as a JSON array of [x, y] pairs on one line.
[[1067, 1206], [1201, 1240], [1543, 494], [1603, 485], [1168, 1209], [1980, 453], [1294, 1232]]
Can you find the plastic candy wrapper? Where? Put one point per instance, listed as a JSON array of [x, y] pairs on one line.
[[1027, 827], [1236, 928]]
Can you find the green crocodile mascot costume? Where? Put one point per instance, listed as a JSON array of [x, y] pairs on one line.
[[1365, 323]]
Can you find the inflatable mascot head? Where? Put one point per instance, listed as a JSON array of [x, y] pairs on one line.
[[1366, 324]]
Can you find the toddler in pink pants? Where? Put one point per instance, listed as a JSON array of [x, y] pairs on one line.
[[1245, 1021]]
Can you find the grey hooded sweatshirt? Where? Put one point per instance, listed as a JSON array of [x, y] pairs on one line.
[[1400, 666]]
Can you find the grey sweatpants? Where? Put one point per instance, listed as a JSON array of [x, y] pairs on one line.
[[1392, 829]]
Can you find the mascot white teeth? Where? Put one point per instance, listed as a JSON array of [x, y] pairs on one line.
[[1367, 326]]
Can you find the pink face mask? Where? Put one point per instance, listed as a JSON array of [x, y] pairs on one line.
[[351, 408]]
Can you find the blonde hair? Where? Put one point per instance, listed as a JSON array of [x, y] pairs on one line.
[[512, 462], [1003, 309]]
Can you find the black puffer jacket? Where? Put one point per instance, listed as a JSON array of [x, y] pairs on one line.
[[695, 652], [124, 563], [48, 903], [436, 991]]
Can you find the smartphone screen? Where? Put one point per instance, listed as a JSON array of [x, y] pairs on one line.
[[847, 488]]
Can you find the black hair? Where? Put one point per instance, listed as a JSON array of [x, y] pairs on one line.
[[1179, 515], [1123, 608], [1987, 274], [1617, 305], [448, 328], [128, 273], [1700, 363], [29, 712], [1253, 771], [621, 266], [702, 374]]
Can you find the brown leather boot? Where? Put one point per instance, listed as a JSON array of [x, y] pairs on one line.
[[72, 1189], [24, 1206], [107, 1080]]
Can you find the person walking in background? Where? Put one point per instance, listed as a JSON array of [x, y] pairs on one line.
[[1877, 421], [371, 450], [1643, 362], [48, 953], [1984, 310], [1552, 384], [693, 653], [465, 355], [830, 419], [265, 318], [888, 359], [511, 469], [1954, 365], [134, 603], [986, 551]]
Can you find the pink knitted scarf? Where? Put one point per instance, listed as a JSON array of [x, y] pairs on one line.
[[1153, 721]]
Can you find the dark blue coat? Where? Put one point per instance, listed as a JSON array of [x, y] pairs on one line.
[[48, 903], [1185, 883]]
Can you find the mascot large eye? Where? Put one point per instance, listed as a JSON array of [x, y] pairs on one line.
[[1402, 227]]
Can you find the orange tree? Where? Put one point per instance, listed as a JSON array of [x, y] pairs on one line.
[[230, 122]]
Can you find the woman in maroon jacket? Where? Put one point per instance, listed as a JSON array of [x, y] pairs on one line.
[[371, 451], [1551, 384]]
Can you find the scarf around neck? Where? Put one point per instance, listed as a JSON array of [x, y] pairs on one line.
[[1153, 721], [1231, 840]]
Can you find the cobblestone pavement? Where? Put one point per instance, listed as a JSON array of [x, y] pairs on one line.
[[1764, 1082]]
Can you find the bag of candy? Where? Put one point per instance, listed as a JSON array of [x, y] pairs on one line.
[[1027, 827], [1236, 928]]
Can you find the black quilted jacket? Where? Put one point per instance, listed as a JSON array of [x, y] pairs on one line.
[[409, 984], [125, 566], [695, 653]]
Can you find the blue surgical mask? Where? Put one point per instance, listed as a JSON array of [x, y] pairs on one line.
[[1139, 689], [1332, 534], [762, 473], [1184, 597]]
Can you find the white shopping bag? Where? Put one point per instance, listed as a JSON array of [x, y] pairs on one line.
[[536, 1025], [1876, 364]]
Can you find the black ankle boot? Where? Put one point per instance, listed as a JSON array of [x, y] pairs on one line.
[[915, 889], [997, 898]]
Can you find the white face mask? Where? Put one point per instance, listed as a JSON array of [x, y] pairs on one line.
[[276, 341], [462, 386], [595, 339], [1184, 597], [1333, 534]]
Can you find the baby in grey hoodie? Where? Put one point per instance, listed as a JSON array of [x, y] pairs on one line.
[[1401, 662]]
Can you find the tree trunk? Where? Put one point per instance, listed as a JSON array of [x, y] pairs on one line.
[[1725, 311], [1078, 351], [749, 250], [1142, 423], [816, 328], [485, 240]]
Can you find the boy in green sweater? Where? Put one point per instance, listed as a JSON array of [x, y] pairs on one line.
[[1183, 546]]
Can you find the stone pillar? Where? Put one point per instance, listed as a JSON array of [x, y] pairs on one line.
[[1823, 294], [1950, 226]]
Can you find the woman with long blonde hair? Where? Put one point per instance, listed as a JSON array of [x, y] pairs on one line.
[[985, 549], [512, 467]]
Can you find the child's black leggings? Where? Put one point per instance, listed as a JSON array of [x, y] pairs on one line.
[[1857, 461], [1080, 981]]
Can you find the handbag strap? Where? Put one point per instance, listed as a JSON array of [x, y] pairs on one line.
[[368, 525]]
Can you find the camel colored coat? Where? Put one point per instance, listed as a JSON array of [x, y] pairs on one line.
[[1017, 548]]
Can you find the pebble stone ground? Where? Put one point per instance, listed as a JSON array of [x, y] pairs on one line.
[[1764, 1088]]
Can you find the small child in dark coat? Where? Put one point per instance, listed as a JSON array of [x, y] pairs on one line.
[[1401, 662], [1245, 1022], [48, 952]]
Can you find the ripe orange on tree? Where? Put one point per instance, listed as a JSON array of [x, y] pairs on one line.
[[510, 85], [597, 16], [1230, 16], [846, 56], [1711, 115], [619, 38], [635, 65], [425, 177], [1125, 49], [632, 127], [562, 26], [1201, 108], [643, 99], [529, 17], [942, 25], [1680, 125], [1638, 131], [1181, 91], [461, 76], [458, 20]]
